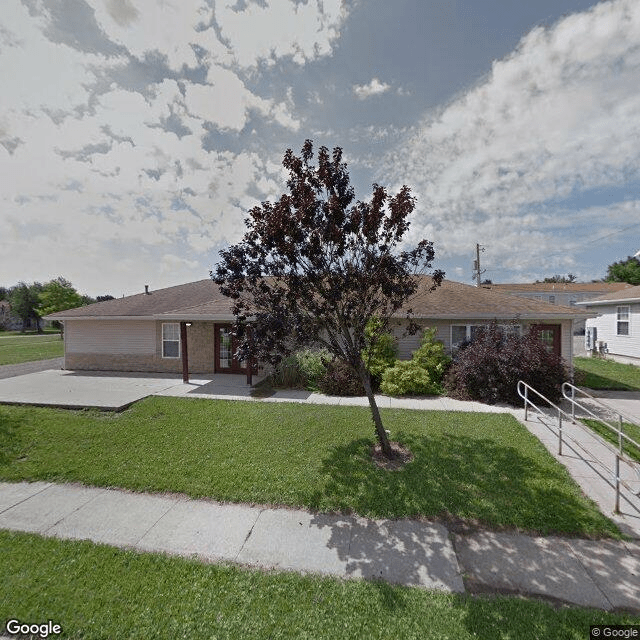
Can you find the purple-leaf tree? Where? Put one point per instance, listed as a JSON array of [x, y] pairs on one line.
[[315, 266]]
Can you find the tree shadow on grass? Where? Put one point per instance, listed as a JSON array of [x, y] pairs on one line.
[[459, 478]]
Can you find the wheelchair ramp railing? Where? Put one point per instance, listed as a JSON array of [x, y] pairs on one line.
[[555, 418]]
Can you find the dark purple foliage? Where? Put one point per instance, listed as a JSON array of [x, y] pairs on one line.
[[489, 368], [313, 267]]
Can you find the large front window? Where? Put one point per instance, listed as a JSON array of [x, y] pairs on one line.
[[623, 320], [171, 340], [465, 333]]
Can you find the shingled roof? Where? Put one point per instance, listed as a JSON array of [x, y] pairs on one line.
[[559, 287], [632, 294], [202, 300]]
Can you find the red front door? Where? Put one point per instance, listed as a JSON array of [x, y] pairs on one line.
[[550, 334], [225, 348]]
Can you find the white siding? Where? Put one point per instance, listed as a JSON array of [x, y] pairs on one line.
[[110, 336], [607, 325]]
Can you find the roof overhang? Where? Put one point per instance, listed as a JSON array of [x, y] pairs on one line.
[[601, 303], [63, 318]]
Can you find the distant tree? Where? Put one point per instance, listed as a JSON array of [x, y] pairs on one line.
[[58, 295], [104, 298], [560, 279], [4, 293], [25, 303], [487, 281], [315, 267], [624, 271]]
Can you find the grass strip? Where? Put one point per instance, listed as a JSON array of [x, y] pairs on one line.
[[97, 592], [482, 468], [18, 348], [603, 430], [599, 373]]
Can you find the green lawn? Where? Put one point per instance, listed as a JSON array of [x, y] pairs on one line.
[[16, 347], [97, 592], [484, 468], [607, 374], [632, 430]]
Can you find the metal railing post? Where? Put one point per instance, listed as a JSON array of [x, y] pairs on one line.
[[526, 401], [559, 432], [616, 509], [573, 403]]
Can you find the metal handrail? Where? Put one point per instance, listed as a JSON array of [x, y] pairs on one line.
[[619, 431], [523, 391]]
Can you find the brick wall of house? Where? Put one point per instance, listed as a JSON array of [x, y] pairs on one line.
[[200, 341]]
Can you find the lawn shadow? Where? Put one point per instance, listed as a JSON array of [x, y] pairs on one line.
[[453, 477]]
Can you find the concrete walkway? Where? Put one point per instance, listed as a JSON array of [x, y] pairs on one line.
[[601, 574]]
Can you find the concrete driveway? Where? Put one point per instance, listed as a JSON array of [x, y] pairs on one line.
[[112, 391]]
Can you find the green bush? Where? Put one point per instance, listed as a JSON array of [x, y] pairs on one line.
[[381, 350], [301, 370], [423, 374], [408, 378]]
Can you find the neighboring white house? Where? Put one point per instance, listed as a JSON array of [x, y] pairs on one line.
[[616, 329], [566, 294]]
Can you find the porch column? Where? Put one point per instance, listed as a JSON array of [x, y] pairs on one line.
[[183, 351]]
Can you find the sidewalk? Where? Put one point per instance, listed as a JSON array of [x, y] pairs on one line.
[[587, 459], [601, 574]]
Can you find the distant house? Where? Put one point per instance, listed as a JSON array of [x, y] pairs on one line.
[[616, 329], [150, 331], [566, 294]]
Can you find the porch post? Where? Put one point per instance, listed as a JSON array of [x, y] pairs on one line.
[[183, 351]]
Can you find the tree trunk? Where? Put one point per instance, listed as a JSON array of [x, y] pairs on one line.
[[375, 412]]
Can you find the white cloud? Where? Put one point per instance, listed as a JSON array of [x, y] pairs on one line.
[[374, 88], [559, 116], [279, 28]]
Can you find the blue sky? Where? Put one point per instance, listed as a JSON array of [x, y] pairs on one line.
[[135, 134]]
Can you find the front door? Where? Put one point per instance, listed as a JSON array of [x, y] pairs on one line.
[[550, 334], [225, 347]]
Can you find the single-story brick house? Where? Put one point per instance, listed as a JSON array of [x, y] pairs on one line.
[[149, 331], [616, 328]]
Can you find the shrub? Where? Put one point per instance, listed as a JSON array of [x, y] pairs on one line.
[[340, 379], [300, 370], [408, 378], [381, 350], [423, 374], [489, 368]]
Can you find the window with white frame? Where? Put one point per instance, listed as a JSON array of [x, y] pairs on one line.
[[461, 333], [170, 339], [622, 314]]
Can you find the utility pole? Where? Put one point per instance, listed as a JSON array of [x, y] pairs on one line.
[[477, 271]]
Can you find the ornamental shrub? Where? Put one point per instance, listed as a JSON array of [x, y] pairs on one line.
[[381, 350], [340, 379], [423, 374], [489, 368], [301, 370]]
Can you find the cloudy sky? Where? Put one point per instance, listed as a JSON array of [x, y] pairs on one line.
[[135, 134]]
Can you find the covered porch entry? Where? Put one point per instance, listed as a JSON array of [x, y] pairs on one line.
[[218, 334]]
